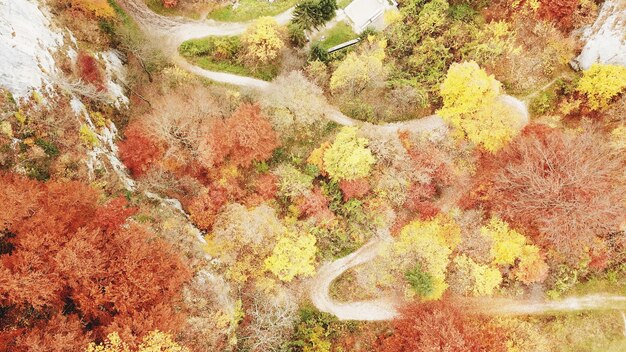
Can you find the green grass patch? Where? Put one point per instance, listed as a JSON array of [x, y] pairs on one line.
[[342, 4], [250, 9], [223, 54], [340, 33]]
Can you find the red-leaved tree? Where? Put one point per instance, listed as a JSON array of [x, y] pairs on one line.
[[564, 189]]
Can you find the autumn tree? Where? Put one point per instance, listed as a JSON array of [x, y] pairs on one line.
[[294, 106], [428, 244], [601, 83], [561, 188], [348, 157], [510, 248], [245, 137], [558, 11], [471, 106], [139, 151], [479, 279], [263, 41], [69, 259], [293, 255], [442, 326], [360, 71]]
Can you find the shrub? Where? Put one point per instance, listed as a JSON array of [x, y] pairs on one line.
[[89, 71], [98, 8], [421, 282], [170, 3], [352, 189]]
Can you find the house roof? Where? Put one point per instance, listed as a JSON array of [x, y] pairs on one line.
[[364, 12]]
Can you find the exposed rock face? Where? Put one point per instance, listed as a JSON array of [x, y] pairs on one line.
[[606, 38], [27, 41]]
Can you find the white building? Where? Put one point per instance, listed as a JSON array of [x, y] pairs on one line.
[[362, 14]]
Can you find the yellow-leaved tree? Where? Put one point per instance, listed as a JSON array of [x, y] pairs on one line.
[[472, 104], [427, 244], [263, 41], [155, 341], [510, 248], [293, 255], [482, 279], [361, 71], [601, 83], [348, 158]]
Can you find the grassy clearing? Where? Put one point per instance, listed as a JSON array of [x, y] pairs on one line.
[[340, 33], [342, 4], [251, 9], [224, 54]]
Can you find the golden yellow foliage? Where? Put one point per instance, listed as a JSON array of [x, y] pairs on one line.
[[430, 243], [507, 243], [348, 157], [155, 341], [483, 279], [466, 89], [263, 40], [600, 83], [510, 246], [292, 255], [471, 106], [99, 8]]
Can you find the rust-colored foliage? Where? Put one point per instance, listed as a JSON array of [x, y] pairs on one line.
[[245, 137], [442, 326], [352, 189], [419, 200], [564, 189], [89, 70], [139, 151], [70, 268], [205, 207], [315, 206], [558, 11], [264, 188], [170, 3]]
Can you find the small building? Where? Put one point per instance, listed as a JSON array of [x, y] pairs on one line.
[[362, 14]]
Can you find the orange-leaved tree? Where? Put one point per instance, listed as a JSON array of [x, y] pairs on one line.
[[442, 326], [75, 269]]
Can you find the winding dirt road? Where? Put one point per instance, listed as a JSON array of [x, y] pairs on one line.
[[172, 31]]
